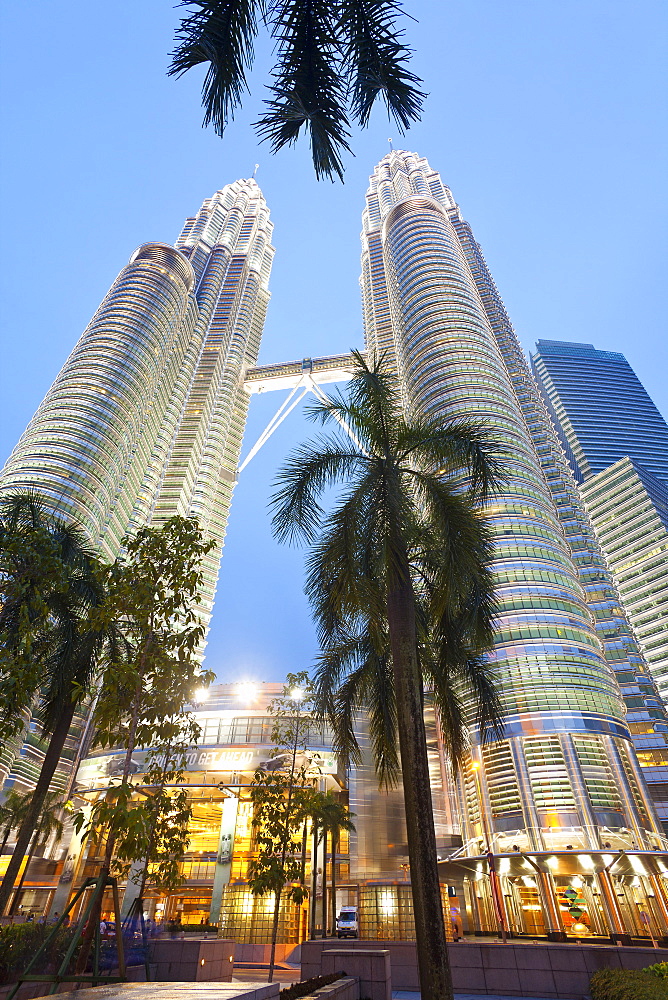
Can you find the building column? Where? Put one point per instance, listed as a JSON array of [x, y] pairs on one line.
[[622, 782], [132, 886], [529, 811], [221, 878], [618, 932], [660, 895], [644, 793], [580, 792]]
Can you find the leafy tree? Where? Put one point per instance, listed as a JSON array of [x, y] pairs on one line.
[[399, 580], [51, 641], [280, 798], [334, 58], [153, 592]]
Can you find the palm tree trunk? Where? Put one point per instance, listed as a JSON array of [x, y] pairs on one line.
[[31, 818], [5, 838], [432, 950], [314, 881], [333, 890], [324, 882]]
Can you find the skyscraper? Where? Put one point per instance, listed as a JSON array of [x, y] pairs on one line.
[[146, 417], [566, 770], [617, 443], [601, 409]]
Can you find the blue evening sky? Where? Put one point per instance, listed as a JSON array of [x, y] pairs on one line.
[[548, 120]]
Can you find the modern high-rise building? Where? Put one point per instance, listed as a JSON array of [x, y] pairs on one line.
[[146, 417], [617, 444], [566, 775], [601, 409], [146, 421]]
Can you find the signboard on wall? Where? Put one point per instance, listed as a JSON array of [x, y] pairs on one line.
[[96, 772]]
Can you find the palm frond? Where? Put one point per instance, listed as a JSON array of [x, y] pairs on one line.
[[376, 59], [309, 470], [220, 32], [307, 86], [455, 448]]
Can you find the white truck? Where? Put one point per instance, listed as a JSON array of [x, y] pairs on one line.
[[346, 922]]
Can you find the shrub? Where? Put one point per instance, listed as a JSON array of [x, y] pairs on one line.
[[625, 984], [308, 986], [20, 942], [659, 969]]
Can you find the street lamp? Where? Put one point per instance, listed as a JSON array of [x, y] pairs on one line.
[[246, 691]]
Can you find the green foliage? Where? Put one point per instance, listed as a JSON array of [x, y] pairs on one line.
[[153, 591], [625, 984], [50, 583], [402, 520], [278, 798], [19, 942], [334, 58], [659, 969]]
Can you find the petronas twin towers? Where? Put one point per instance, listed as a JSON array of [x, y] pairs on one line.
[[146, 420]]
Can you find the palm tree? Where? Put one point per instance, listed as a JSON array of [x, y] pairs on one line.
[[49, 823], [50, 579], [399, 580], [12, 811], [336, 818], [333, 59]]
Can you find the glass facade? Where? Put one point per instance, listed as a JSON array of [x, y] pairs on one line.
[[616, 442], [630, 510], [601, 409], [566, 774], [146, 417]]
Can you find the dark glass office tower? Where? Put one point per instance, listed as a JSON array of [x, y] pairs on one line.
[[601, 409], [616, 442]]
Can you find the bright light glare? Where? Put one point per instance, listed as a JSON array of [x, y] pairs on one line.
[[297, 694], [475, 764], [201, 694], [246, 691]]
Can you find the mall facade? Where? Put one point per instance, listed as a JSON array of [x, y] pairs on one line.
[[565, 890]]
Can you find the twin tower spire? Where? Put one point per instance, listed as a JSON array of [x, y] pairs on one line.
[[146, 420]]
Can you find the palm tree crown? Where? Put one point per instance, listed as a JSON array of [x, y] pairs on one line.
[[333, 59], [399, 580]]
